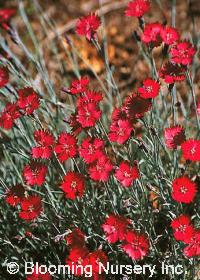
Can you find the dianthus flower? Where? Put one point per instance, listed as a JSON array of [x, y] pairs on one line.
[[15, 195], [183, 190], [31, 208], [76, 238], [191, 149], [87, 26], [182, 53], [169, 35], [88, 114], [183, 229], [126, 174], [9, 115], [120, 131], [35, 173], [137, 8], [66, 146], [136, 106], [28, 100], [152, 34], [45, 141], [193, 248], [91, 149], [100, 169], [76, 258], [115, 228], [172, 73], [136, 245], [150, 89], [174, 136], [73, 185], [79, 86]]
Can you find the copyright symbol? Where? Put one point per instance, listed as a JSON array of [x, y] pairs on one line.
[[12, 268]]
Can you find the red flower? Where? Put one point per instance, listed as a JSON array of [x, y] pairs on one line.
[[31, 208], [73, 185], [5, 16], [136, 106], [91, 149], [15, 195], [182, 53], [45, 142], [87, 26], [174, 136], [66, 146], [9, 115], [34, 174], [76, 257], [120, 131], [100, 170], [183, 230], [94, 259], [115, 228], [79, 86], [193, 248], [137, 8], [28, 100], [172, 73], [183, 190], [4, 76], [150, 89], [152, 34], [39, 276], [126, 174], [136, 245], [89, 96], [119, 114], [88, 115], [191, 150], [169, 35], [76, 238]]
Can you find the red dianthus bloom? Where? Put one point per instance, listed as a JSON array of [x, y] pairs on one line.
[[136, 106], [79, 86], [150, 89], [4, 76], [100, 170], [120, 131], [193, 248], [93, 259], [183, 230], [91, 149], [45, 141], [169, 35], [35, 173], [191, 150], [183, 190], [87, 26], [182, 53], [73, 185], [15, 195], [66, 146], [172, 73], [152, 34], [137, 8], [9, 115], [115, 228], [31, 208], [136, 245], [28, 100], [174, 136], [126, 174], [88, 114], [76, 257]]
